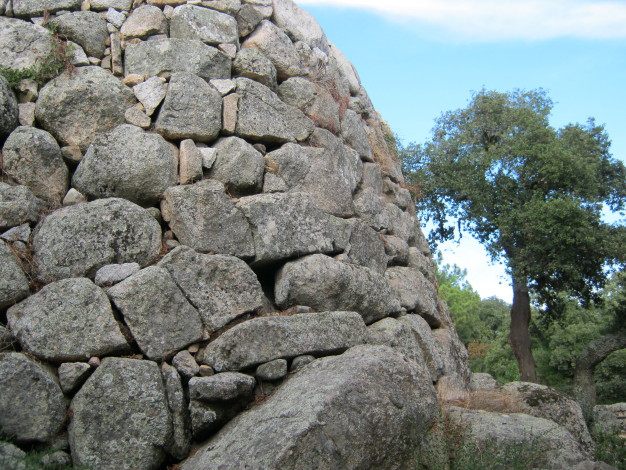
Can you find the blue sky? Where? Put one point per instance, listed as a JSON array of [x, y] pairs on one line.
[[419, 58]]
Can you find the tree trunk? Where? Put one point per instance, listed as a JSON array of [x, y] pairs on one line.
[[519, 337], [593, 354]]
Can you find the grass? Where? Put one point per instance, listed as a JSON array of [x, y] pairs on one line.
[[34, 460]]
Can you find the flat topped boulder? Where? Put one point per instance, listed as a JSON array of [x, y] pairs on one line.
[[127, 400], [166, 56], [264, 339], [76, 107], [75, 241], [365, 409]]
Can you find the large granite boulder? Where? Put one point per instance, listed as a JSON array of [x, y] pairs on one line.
[[416, 294], [248, 344], [13, 282], [9, 112], [76, 107], [127, 163], [323, 283], [336, 413], [220, 287], [203, 217], [299, 24], [86, 28], [67, 320], [209, 26], [32, 405], [252, 64], [22, 43], [33, 158], [167, 56], [127, 400], [192, 109], [75, 241], [158, 314], [314, 99]]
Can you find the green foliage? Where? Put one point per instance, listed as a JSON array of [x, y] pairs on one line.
[[610, 449], [34, 460]]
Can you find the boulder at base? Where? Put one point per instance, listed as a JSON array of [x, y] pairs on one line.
[[361, 410]]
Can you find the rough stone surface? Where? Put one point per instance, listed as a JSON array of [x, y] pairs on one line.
[[429, 346], [122, 5], [30, 8], [72, 375], [86, 28], [453, 354], [221, 287], [32, 157], [299, 24], [544, 402], [18, 205], [251, 63], [127, 163], [246, 344], [209, 26], [346, 69], [192, 109], [77, 107], [353, 131], [252, 12], [482, 381], [133, 433], [67, 320], [159, 316], [424, 263], [22, 43], [262, 116], [150, 93], [301, 361], [366, 248], [326, 284], [203, 217], [32, 405], [167, 56], [239, 166], [273, 370], [314, 99], [190, 162], [415, 293], [144, 21], [114, 273], [110, 231], [287, 225], [180, 442], [185, 364], [397, 251], [20, 233], [221, 387], [559, 450], [13, 281], [285, 433], [9, 111]]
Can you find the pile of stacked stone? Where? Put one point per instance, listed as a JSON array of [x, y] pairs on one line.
[[202, 212]]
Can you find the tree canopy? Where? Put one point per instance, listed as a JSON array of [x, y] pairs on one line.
[[531, 194]]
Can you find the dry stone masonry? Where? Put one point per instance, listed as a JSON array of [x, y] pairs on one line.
[[206, 243]]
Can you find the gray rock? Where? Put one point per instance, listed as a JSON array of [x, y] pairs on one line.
[[190, 162], [415, 293], [68, 320], [72, 375], [114, 273], [22, 43], [346, 69], [116, 18], [288, 225], [150, 93], [369, 206], [299, 24], [555, 447], [314, 99], [26, 113], [18, 205], [137, 117], [453, 355], [9, 111], [33, 158], [230, 7], [250, 15], [263, 117], [482, 381], [424, 263], [300, 361], [86, 28], [180, 442], [99, 5], [366, 248], [147, 20], [223, 85], [203, 217], [270, 40], [131, 434], [221, 387], [30, 8], [209, 26], [13, 281], [326, 284], [157, 312], [32, 405], [401, 224], [185, 364], [110, 231], [167, 56], [221, 287], [248, 344], [543, 402], [127, 163], [77, 107], [397, 251], [397, 195], [251, 63], [239, 166], [21, 233], [74, 197], [353, 132], [192, 109], [11, 456], [310, 423], [429, 346], [7, 340], [273, 370]]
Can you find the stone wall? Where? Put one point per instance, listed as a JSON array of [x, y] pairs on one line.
[[205, 235]]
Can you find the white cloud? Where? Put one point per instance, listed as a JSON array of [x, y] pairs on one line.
[[491, 20]]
